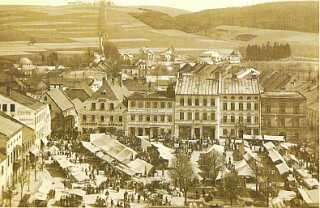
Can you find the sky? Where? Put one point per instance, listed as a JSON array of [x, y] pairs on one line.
[[191, 5]]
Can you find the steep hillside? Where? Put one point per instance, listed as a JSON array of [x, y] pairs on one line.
[[167, 10], [294, 16]]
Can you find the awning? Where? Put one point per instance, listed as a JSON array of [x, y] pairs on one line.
[[273, 138]]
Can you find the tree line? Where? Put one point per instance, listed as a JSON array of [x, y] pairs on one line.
[[268, 52]]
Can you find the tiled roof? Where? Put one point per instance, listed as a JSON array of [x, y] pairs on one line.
[[283, 94], [162, 70], [160, 95], [60, 99], [77, 93], [136, 85], [193, 85], [236, 86], [22, 99], [9, 127], [105, 91]]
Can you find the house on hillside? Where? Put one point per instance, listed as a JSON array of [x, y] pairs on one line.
[[210, 57], [235, 57], [168, 56]]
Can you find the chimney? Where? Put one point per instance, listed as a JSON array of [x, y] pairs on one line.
[[104, 81], [8, 91]]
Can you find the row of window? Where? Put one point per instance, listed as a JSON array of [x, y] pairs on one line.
[[197, 116], [232, 119], [282, 108], [102, 119], [148, 118], [240, 98], [142, 104], [240, 106], [102, 106], [4, 107], [281, 122], [196, 102], [147, 131], [233, 132]]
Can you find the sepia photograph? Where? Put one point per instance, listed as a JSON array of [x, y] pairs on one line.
[[159, 103]]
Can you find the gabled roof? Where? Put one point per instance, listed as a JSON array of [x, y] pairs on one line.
[[8, 127], [105, 91], [136, 85], [162, 70], [186, 68], [22, 99], [159, 95], [194, 85], [282, 95], [236, 86], [60, 99], [77, 93]]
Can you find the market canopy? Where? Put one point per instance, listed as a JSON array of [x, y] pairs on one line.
[[78, 174], [144, 142], [63, 161], [223, 173], [112, 147], [140, 166], [275, 156], [217, 148], [304, 173], [165, 152], [252, 137], [287, 145], [310, 197], [92, 148], [311, 183], [282, 168], [269, 146], [243, 169]]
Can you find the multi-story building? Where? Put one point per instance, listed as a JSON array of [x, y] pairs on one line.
[[196, 108], [239, 107], [16, 140], [104, 110], [150, 114], [28, 111], [283, 113]]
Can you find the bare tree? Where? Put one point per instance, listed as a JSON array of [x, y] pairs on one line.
[[182, 173], [232, 186], [22, 179], [210, 164]]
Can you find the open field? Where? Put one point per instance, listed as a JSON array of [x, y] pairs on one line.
[[75, 27], [302, 43]]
